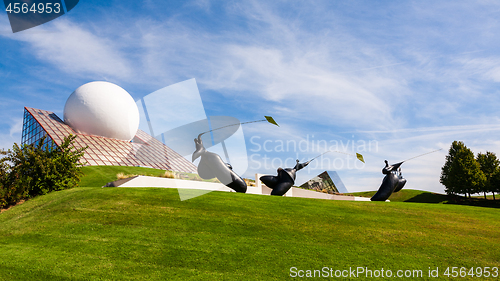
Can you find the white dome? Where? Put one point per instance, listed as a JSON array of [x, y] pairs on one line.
[[102, 109]]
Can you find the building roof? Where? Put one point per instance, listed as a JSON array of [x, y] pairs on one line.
[[144, 150]]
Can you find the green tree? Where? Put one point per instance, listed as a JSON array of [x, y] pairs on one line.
[[489, 164], [461, 174], [495, 183], [36, 169], [447, 179], [8, 192]]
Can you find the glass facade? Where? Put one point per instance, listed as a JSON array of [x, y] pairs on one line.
[[328, 181], [144, 151], [33, 132]]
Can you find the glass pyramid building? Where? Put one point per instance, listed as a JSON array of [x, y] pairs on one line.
[[143, 150], [328, 181]]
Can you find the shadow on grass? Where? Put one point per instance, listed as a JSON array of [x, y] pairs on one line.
[[478, 202], [428, 197], [456, 200]]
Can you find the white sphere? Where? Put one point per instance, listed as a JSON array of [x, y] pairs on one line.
[[102, 109]]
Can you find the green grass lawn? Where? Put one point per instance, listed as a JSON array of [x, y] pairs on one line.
[[149, 234], [97, 176], [419, 196], [94, 233], [409, 195]]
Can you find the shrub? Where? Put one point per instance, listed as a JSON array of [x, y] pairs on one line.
[[36, 169], [169, 174]]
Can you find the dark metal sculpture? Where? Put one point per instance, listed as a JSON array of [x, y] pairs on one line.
[[402, 181], [285, 179], [212, 166], [392, 182]]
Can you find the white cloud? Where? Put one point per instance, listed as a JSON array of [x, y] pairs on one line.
[[487, 68], [341, 79], [75, 49], [14, 133], [16, 127], [460, 129]]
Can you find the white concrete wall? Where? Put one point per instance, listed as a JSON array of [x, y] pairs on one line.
[[144, 181]]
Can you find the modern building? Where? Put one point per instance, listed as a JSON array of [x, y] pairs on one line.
[[111, 135], [328, 181], [143, 150]]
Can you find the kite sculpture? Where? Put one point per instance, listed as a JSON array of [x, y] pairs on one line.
[[281, 183], [285, 179], [393, 180], [212, 166]]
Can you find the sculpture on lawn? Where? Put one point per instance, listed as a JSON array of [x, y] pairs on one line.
[[285, 179], [392, 182], [212, 166]]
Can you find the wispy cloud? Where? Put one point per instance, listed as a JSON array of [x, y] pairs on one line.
[[485, 68], [16, 127], [460, 129], [75, 49], [280, 64]]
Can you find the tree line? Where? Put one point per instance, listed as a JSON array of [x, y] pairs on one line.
[[465, 174], [36, 169]]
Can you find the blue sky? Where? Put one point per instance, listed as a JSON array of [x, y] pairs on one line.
[[410, 76]]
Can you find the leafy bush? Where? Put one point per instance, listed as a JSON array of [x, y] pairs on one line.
[[36, 169]]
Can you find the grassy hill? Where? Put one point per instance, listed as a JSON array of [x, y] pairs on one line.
[[94, 233], [419, 196], [97, 176], [410, 195]]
